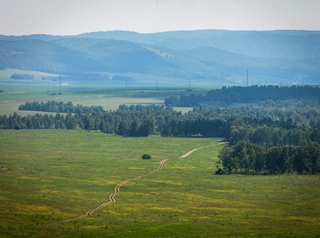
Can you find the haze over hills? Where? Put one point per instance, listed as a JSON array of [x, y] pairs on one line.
[[212, 55]]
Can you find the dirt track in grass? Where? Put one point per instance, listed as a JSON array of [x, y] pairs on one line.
[[112, 196]]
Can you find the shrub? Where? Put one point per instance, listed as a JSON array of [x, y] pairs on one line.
[[146, 156], [220, 171]]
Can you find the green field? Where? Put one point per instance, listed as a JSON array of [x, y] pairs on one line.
[[49, 176], [107, 94], [109, 97]]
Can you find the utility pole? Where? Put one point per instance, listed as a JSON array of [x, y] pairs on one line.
[[60, 84], [189, 87], [247, 83]]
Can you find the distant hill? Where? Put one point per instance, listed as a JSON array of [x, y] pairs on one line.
[[273, 56], [276, 44], [44, 56], [116, 55], [30, 37]]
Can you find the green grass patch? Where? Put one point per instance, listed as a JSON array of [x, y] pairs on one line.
[[48, 176], [109, 97], [105, 93]]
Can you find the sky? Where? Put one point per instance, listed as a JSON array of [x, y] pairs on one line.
[[71, 17]]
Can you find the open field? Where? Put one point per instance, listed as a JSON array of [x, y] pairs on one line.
[[103, 93], [59, 183], [49, 176], [9, 102]]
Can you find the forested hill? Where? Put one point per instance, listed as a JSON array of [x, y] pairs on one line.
[[275, 44], [204, 55]]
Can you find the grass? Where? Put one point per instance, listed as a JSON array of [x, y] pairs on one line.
[[107, 94], [48, 176], [98, 95]]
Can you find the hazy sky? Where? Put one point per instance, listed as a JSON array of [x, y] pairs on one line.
[[69, 17]]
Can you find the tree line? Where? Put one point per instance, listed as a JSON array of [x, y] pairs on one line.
[[251, 124], [274, 137], [22, 76], [53, 106], [249, 158], [228, 95]]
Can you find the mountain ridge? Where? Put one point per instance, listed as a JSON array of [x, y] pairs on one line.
[[232, 41], [289, 56]]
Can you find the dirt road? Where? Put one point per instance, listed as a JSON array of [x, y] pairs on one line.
[[116, 191], [112, 196]]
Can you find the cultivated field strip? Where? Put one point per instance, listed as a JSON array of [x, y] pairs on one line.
[[118, 186]]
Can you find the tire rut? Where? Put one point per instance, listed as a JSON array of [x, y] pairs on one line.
[[191, 151], [116, 191], [112, 196]]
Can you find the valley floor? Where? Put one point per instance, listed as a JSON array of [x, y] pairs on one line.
[[51, 176]]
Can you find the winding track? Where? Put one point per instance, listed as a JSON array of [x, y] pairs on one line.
[[118, 186], [191, 151]]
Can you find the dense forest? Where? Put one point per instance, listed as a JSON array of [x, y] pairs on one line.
[[252, 158], [259, 125], [53, 106], [252, 94]]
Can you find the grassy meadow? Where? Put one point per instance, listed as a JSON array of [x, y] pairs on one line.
[[49, 176], [106, 93]]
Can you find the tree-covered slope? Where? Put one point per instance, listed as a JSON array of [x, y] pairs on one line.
[[275, 44], [44, 56], [291, 44], [274, 56], [116, 55]]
